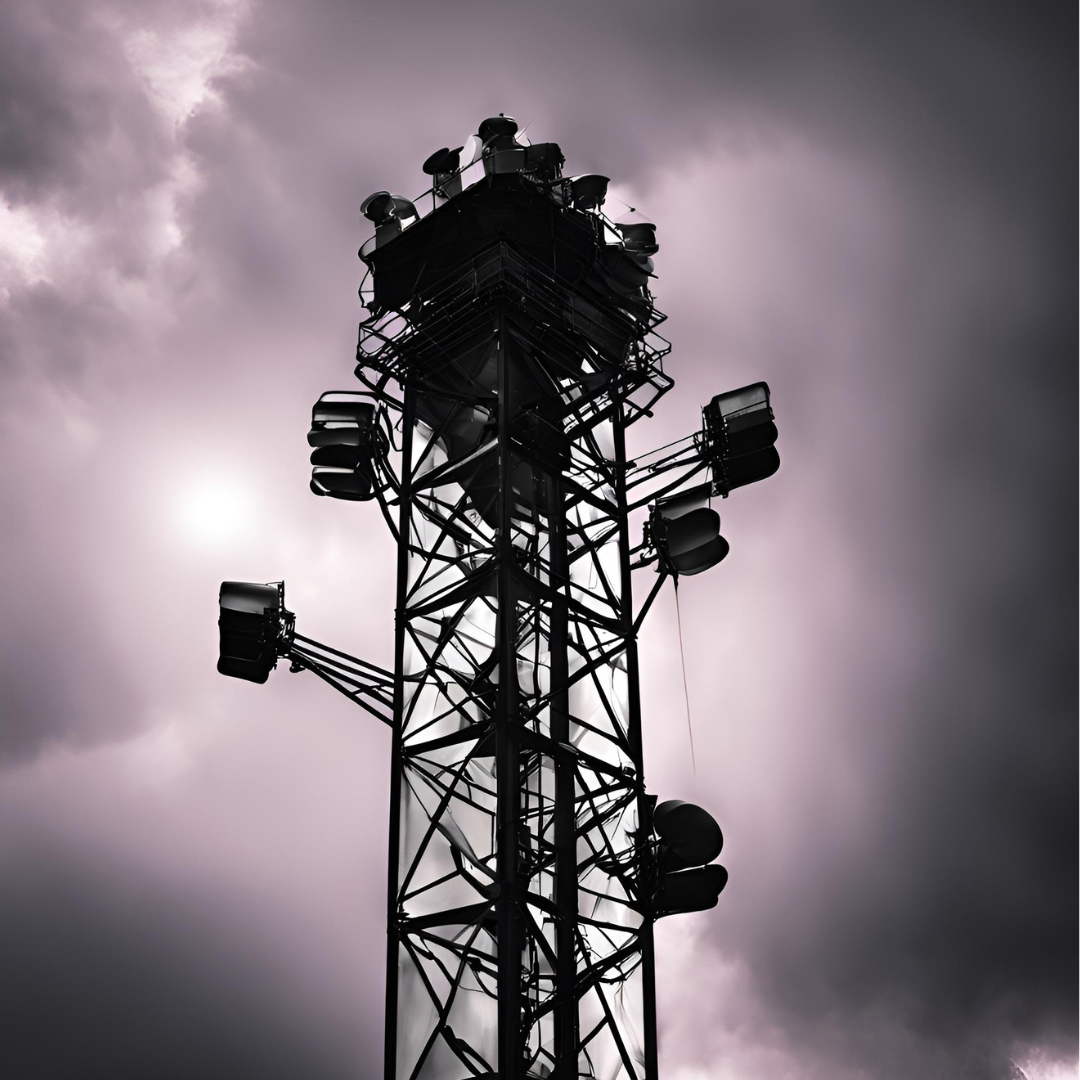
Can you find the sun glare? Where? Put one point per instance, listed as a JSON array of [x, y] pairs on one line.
[[214, 510]]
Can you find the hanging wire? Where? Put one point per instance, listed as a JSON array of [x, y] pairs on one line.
[[686, 688]]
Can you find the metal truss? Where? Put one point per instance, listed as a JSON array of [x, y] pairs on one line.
[[368, 686], [511, 342], [520, 874]]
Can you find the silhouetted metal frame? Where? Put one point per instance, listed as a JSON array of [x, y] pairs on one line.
[[507, 746], [634, 704], [591, 794], [393, 943]]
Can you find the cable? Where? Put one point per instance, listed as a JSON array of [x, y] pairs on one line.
[[686, 688]]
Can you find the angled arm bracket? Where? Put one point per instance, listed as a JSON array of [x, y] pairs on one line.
[[256, 629]]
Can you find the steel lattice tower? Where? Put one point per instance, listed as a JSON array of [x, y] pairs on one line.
[[511, 342]]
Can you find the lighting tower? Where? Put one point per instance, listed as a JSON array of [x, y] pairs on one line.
[[510, 342]]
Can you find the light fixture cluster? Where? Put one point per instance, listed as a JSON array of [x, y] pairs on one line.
[[499, 157], [736, 445], [348, 444], [254, 629], [688, 839]]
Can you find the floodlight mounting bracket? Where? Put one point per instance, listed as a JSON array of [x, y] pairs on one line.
[[364, 684]]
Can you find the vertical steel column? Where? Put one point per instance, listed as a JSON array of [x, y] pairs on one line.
[[507, 742], [566, 1020], [392, 914], [643, 861]]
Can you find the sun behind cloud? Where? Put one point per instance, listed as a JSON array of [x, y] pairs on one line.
[[213, 510]]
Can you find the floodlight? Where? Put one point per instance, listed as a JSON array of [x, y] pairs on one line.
[[330, 476], [544, 160], [251, 628], [502, 153], [639, 236], [500, 159], [497, 127], [347, 444], [739, 436], [588, 192], [686, 532], [689, 837], [690, 890], [390, 215], [683, 502], [342, 418], [442, 161], [378, 207], [443, 165]]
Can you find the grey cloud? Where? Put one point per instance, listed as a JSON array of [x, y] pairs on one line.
[[632, 88], [55, 682], [934, 942], [950, 923], [111, 974], [75, 126]]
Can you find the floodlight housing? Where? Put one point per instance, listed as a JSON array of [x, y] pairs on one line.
[[501, 160], [739, 433], [588, 192], [378, 207], [501, 153], [444, 167], [690, 890], [544, 160], [688, 839], [639, 236], [497, 127], [253, 629], [442, 161], [347, 444], [689, 836], [391, 214], [686, 532]]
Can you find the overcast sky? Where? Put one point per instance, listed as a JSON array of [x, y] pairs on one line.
[[871, 206]]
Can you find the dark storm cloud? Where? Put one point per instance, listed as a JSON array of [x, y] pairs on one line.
[[54, 682], [937, 941], [48, 333], [112, 974], [65, 677], [74, 124], [955, 914], [80, 145], [639, 86]]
